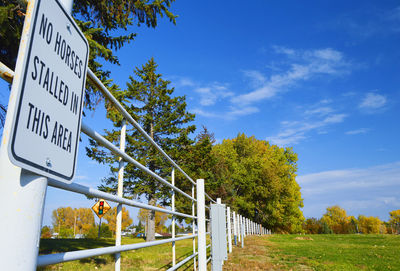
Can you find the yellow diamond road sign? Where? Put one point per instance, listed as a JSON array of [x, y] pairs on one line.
[[101, 207]]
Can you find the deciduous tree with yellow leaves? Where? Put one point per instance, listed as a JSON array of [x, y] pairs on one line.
[[111, 217], [68, 222], [337, 219]]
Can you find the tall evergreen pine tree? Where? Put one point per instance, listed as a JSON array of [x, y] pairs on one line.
[[149, 100]]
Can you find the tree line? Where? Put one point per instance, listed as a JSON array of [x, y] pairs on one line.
[[336, 220], [69, 222]]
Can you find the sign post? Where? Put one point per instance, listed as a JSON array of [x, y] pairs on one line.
[[23, 191], [100, 208], [50, 89]]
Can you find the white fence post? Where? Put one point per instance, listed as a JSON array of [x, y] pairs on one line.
[[228, 216], [173, 217], [246, 230], [234, 228], [242, 228], [120, 194], [23, 193], [239, 228], [201, 225], [193, 230], [249, 226]]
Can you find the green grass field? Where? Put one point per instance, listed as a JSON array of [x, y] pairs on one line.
[[276, 252], [341, 252], [318, 252]]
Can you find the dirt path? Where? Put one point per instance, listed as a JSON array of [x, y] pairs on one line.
[[258, 254]]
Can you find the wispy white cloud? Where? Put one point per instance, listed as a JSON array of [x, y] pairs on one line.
[[304, 65], [179, 81], [284, 50], [242, 111], [231, 114], [322, 111], [335, 118], [256, 78], [204, 113], [297, 66], [210, 94], [367, 191], [369, 22], [357, 131], [373, 101], [349, 179], [314, 119], [364, 205]]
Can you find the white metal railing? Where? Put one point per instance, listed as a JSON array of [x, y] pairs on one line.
[[31, 189], [44, 260]]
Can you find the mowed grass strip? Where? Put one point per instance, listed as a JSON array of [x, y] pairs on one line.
[[317, 252], [256, 255], [151, 258]]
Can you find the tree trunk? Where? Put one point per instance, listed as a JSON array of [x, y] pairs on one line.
[[151, 221], [151, 217]]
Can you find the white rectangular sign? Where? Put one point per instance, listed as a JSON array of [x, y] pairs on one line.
[[50, 90]]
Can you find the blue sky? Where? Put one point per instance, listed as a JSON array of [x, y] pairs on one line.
[[320, 76]]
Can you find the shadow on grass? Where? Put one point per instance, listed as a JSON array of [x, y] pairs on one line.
[[48, 246], [189, 267]]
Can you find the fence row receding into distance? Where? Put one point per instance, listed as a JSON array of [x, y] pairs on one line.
[[24, 192]]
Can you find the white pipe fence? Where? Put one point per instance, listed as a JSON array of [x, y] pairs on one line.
[[25, 191]]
